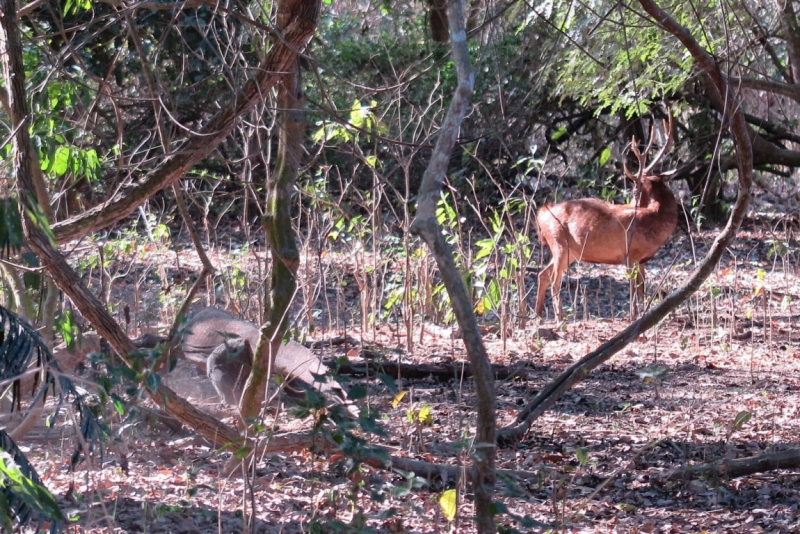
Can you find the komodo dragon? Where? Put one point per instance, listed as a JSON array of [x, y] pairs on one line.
[[221, 346]]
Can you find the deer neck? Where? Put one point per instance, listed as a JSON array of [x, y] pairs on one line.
[[660, 198]]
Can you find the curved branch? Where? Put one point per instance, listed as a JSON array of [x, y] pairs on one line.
[[771, 128], [765, 153], [772, 86], [279, 60]]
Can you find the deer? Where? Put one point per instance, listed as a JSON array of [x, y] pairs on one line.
[[591, 230]]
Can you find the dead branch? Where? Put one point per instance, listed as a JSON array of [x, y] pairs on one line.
[[441, 372], [739, 467], [431, 471]]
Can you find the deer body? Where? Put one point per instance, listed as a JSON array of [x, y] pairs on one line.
[[591, 230]]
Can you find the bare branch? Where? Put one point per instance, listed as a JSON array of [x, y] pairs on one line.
[[772, 86], [279, 61]]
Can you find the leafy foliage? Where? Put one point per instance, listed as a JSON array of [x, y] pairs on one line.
[[22, 349], [22, 495]]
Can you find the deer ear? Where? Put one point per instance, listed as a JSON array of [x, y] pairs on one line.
[[667, 175]]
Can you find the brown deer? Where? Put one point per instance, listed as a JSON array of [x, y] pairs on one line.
[[591, 230]]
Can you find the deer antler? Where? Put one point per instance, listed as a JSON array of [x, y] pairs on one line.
[[633, 145], [667, 142], [642, 157]]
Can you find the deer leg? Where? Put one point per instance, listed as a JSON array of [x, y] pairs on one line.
[[545, 281], [551, 276], [560, 265], [636, 282], [555, 291], [640, 284]]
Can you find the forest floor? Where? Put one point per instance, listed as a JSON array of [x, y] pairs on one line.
[[718, 379]]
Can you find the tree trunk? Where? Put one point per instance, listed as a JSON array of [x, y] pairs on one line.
[[792, 31], [427, 228], [282, 243], [437, 20]]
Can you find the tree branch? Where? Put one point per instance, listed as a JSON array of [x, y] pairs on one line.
[[280, 60], [772, 86]]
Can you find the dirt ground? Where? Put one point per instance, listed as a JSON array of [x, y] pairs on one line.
[[718, 379]]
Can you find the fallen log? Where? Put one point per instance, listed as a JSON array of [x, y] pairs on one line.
[[441, 372], [739, 467]]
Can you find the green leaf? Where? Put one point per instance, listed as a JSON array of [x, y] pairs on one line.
[[605, 155], [387, 380], [5, 514], [741, 419], [356, 114], [34, 495], [319, 135], [448, 501], [242, 452], [152, 382], [61, 161], [11, 237], [357, 392], [65, 325], [39, 220], [494, 291], [558, 134], [485, 248], [583, 455]]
